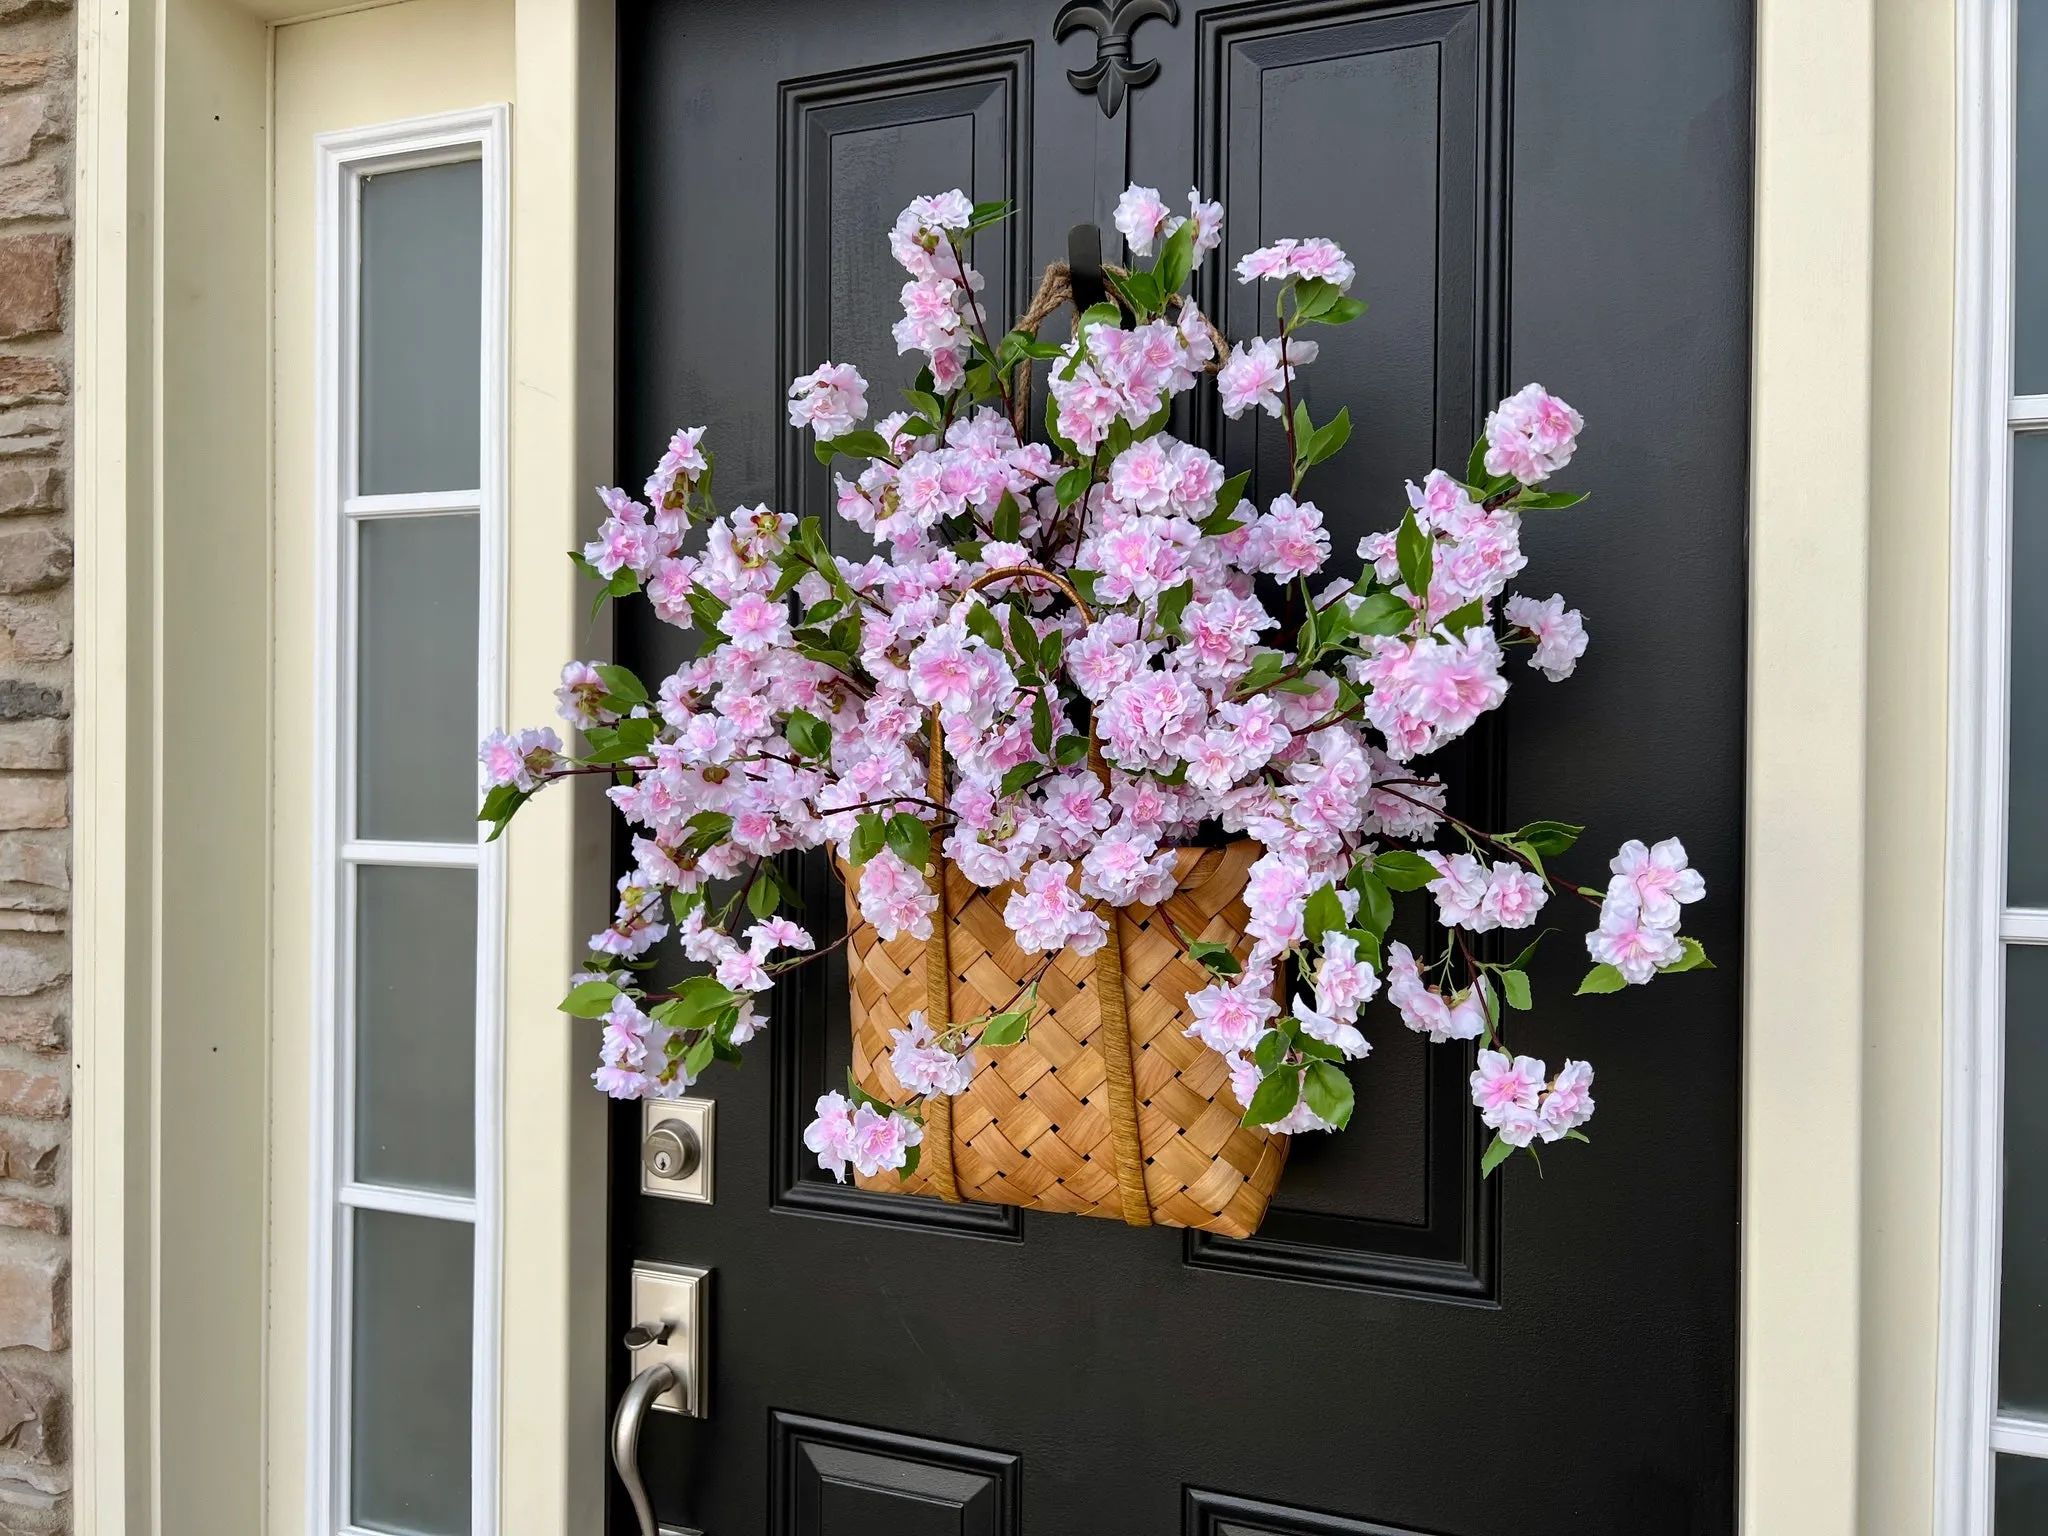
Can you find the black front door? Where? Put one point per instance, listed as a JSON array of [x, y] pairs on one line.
[[1532, 189]]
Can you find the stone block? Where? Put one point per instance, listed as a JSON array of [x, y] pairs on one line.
[[27, 122], [38, 1023], [34, 1095], [32, 380], [34, 559], [31, 487], [36, 857], [35, 744], [32, 963], [33, 1421], [34, 1308], [33, 269], [23, 698], [28, 1153], [24, 67], [34, 800], [31, 1216], [36, 627], [39, 190]]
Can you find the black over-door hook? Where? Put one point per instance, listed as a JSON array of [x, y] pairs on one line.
[[1084, 266]]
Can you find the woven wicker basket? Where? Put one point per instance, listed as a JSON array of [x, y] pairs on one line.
[[1047, 1123]]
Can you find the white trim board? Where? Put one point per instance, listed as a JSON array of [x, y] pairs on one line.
[[341, 159]]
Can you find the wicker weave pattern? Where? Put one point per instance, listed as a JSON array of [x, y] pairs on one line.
[[1033, 1129]]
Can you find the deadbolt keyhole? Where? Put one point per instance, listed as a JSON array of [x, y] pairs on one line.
[[672, 1150]]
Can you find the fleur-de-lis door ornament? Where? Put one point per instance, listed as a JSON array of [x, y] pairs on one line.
[[1112, 75]]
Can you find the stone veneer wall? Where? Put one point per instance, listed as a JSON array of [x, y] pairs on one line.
[[37, 96]]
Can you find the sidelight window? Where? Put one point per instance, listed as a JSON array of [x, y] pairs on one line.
[[408, 927]]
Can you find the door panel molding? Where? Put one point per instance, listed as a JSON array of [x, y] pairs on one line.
[[834, 1479], [1223, 1514]]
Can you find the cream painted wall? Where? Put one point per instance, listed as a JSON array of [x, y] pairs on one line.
[[345, 71]]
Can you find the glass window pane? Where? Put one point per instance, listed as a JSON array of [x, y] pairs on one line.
[[2027, 816], [2030, 204], [409, 1421], [2023, 1301], [422, 329], [416, 645], [416, 1028], [2022, 1497]]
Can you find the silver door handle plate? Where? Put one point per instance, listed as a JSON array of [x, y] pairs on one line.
[[670, 1317]]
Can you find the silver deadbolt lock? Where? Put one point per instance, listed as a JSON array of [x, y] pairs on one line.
[[672, 1150], [675, 1149]]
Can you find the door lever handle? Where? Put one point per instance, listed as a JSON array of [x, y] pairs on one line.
[[633, 1405]]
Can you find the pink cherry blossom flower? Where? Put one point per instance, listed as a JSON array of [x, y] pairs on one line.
[[1627, 942], [1425, 1010], [831, 400], [1331, 1030], [1660, 877], [756, 623], [1559, 633], [520, 759], [1531, 435], [1569, 1103], [1460, 890], [1143, 476], [1292, 539], [1208, 218], [1252, 378], [1047, 915], [1322, 259], [1343, 982], [830, 1135], [882, 1142], [1140, 216], [923, 1065], [578, 699], [895, 898], [1231, 1016], [1503, 1082], [1268, 261], [1513, 896]]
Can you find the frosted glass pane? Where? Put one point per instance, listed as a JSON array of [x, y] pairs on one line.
[[422, 329], [2023, 1300], [2030, 210], [2027, 818], [416, 1028], [409, 1421], [416, 644]]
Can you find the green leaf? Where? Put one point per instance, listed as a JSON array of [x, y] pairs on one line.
[[1323, 912], [1458, 620], [810, 736], [705, 609], [1368, 945], [1304, 428], [1548, 838], [1329, 438], [1340, 311], [910, 840], [1006, 524], [1329, 1093], [1172, 604], [1264, 671], [1417, 553], [1231, 494], [1098, 314], [1073, 485], [1041, 722], [1277, 1094], [1269, 1050], [1023, 638], [1694, 958], [1017, 777], [1375, 903], [1176, 259], [1069, 750], [912, 1156], [1514, 986], [869, 834], [1521, 961], [1496, 1154], [1602, 978], [861, 444], [984, 625], [763, 897], [1402, 870], [1142, 290], [1383, 613], [699, 1055], [1547, 501], [1475, 463], [589, 999], [1005, 1028], [1217, 958], [622, 685]]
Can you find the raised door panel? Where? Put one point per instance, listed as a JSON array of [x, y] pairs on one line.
[[833, 1479], [1223, 1514]]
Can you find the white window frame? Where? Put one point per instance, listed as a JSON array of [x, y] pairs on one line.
[[342, 159]]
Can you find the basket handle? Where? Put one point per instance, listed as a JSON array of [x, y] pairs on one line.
[[1113, 1038]]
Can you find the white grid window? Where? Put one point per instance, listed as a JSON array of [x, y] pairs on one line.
[[408, 900]]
